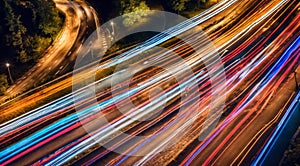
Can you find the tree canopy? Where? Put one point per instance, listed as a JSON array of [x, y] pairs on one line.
[[179, 5], [182, 5], [137, 7], [29, 26]]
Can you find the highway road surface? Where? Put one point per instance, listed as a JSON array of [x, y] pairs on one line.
[[199, 107]]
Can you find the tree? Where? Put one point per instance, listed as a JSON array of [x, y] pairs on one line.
[[45, 23], [41, 44], [200, 1], [176, 5], [133, 6], [3, 84], [16, 29], [179, 5], [50, 22]]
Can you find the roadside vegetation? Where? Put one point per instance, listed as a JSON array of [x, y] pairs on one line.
[[27, 29], [3, 83], [108, 10], [111, 9]]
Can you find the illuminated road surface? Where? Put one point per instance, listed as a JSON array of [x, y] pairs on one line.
[[259, 51]]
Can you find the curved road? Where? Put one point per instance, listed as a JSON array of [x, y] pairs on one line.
[[80, 20]]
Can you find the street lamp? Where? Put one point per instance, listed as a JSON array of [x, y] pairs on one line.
[[8, 69]]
